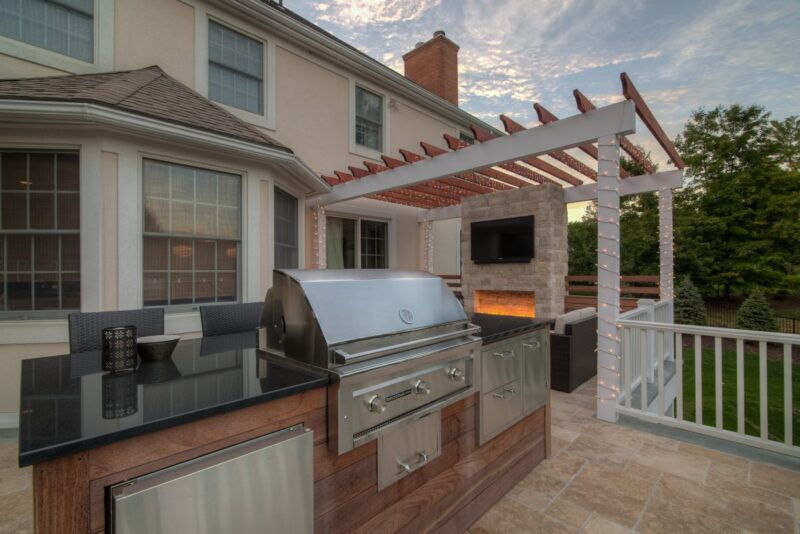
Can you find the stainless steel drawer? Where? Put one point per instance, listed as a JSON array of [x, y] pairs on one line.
[[535, 351], [500, 409], [501, 364], [265, 484], [407, 447]]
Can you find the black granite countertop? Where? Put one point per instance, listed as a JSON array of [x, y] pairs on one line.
[[70, 404], [497, 327]]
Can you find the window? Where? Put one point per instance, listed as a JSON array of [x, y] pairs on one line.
[[369, 119], [192, 233], [63, 26], [357, 243], [235, 69], [39, 231], [286, 249]]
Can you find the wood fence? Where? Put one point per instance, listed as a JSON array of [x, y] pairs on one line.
[[581, 291]]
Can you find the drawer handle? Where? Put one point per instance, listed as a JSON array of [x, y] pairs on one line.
[[503, 394], [506, 354], [534, 345], [422, 459]]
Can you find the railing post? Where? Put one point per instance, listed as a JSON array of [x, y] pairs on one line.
[[649, 306], [608, 277]]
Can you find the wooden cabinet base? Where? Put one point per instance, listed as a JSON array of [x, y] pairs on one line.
[[447, 495]]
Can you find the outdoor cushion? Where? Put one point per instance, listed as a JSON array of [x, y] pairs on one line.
[[562, 320]]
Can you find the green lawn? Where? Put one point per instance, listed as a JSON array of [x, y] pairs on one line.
[[751, 393]]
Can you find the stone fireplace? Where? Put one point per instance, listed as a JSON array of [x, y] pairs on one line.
[[525, 289]]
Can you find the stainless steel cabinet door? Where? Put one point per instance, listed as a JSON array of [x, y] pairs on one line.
[[261, 486], [536, 352]]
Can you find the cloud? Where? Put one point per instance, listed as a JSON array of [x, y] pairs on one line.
[[364, 12]]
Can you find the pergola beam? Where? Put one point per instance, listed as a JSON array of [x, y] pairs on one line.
[[585, 105], [513, 127], [635, 185], [482, 135], [489, 173], [649, 120], [614, 119], [545, 117], [471, 177]]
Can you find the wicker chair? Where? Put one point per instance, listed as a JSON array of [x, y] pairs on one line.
[[86, 329], [223, 319]]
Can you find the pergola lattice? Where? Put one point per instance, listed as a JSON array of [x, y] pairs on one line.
[[438, 181]]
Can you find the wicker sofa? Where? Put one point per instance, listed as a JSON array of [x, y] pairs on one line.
[[573, 349]]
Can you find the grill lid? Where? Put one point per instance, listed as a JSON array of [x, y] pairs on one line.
[[350, 304]]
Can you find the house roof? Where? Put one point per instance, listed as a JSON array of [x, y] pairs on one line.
[[148, 91]]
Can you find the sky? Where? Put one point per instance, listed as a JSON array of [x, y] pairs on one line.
[[682, 55]]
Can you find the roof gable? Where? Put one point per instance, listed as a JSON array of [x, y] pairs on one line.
[[149, 92]]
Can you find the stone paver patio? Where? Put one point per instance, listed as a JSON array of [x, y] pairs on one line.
[[610, 478], [602, 478]]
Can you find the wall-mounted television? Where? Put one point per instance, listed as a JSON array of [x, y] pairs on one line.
[[502, 240]]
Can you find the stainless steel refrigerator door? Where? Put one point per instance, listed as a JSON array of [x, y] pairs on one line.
[[263, 485]]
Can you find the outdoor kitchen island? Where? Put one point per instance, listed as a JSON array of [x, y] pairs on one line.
[[222, 392]]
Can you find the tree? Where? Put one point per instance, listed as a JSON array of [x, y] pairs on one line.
[[786, 137], [755, 313], [639, 234], [689, 305], [742, 202]]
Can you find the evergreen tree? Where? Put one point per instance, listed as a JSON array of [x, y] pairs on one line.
[[755, 313], [689, 305]]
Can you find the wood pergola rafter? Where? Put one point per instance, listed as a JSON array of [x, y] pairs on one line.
[[513, 127], [585, 105], [483, 135], [546, 117]]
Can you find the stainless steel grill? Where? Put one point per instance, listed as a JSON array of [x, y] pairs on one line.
[[397, 344]]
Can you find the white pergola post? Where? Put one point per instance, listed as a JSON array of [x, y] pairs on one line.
[[665, 244], [427, 232], [320, 237], [608, 277]]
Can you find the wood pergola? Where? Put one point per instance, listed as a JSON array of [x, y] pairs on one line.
[[439, 180]]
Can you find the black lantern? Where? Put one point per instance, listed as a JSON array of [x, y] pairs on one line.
[[119, 348]]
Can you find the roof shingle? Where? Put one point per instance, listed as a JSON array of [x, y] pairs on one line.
[[149, 92]]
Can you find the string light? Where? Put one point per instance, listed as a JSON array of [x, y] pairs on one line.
[[320, 237]]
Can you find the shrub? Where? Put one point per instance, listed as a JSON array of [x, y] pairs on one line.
[[689, 305], [755, 313]]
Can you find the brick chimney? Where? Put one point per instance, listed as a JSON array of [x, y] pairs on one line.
[[434, 66]]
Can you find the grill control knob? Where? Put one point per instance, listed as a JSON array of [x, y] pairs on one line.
[[456, 375], [422, 388], [376, 404]]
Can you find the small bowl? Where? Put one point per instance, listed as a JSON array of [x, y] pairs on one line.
[[156, 348]]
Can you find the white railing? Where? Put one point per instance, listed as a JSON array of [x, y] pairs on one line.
[[641, 344], [652, 346]]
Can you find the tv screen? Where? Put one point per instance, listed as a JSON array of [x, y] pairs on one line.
[[503, 240]]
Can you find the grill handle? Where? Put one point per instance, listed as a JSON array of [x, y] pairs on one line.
[[341, 356], [408, 467]]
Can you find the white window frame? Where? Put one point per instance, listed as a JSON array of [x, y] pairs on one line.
[[265, 119], [298, 222], [358, 219], [360, 150], [241, 268], [50, 313], [103, 56]]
